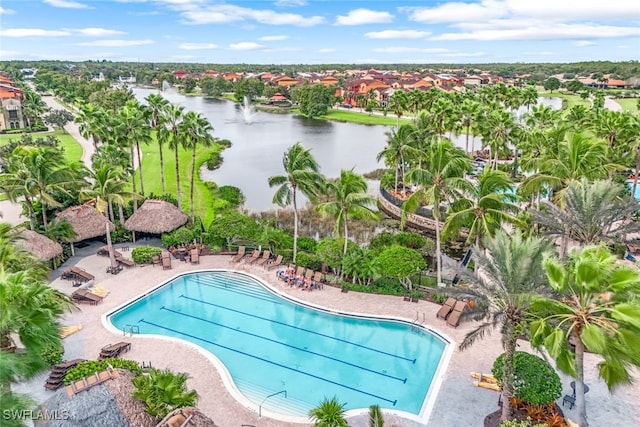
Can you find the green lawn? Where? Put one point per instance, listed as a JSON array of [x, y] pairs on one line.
[[202, 196], [628, 104], [360, 117], [72, 149], [569, 97]]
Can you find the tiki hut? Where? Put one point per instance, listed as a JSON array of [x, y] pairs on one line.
[[156, 217], [86, 221], [41, 246], [108, 404]]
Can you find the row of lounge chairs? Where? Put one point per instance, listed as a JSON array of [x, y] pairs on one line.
[[265, 260], [451, 311], [58, 371], [86, 296], [77, 274], [297, 276]]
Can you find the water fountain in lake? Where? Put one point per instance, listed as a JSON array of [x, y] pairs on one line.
[[248, 111], [165, 86]]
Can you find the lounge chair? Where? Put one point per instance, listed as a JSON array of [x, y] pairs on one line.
[[253, 258], [166, 263], [446, 308], [265, 258], [273, 264], [166, 254], [103, 251], [300, 271], [77, 274], [156, 260], [195, 256], [454, 317], [83, 295], [241, 253], [126, 262], [114, 350], [317, 280]]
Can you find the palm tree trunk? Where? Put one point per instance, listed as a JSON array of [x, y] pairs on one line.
[[508, 371], [140, 168], [346, 234], [111, 217], [635, 175], [580, 403], [178, 192], [27, 200], [396, 178], [467, 141], [295, 226], [164, 190], [133, 179], [193, 176], [438, 256], [121, 213], [43, 206]]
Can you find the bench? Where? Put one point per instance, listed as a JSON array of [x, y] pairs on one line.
[[570, 400]]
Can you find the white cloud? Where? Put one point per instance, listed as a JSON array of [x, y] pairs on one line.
[[543, 31], [397, 34], [197, 46], [97, 32], [290, 3], [32, 32], [131, 1], [396, 49], [283, 49], [461, 54], [273, 38], [574, 10], [583, 43], [194, 12], [150, 13], [364, 16], [457, 12], [326, 50], [4, 11], [245, 46], [66, 4], [118, 43]]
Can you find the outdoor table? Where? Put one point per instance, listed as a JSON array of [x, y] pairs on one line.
[[573, 387]]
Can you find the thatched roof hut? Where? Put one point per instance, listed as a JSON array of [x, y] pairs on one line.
[[41, 246], [156, 217], [86, 221], [108, 404]]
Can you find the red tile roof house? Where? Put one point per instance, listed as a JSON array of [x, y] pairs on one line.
[[180, 74]]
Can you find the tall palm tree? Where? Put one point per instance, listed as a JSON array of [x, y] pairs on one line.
[[530, 97], [598, 310], [157, 106], [507, 278], [347, 197], [173, 115], [441, 181], [589, 213], [398, 103], [542, 117], [91, 120], [301, 173], [330, 413], [196, 131], [485, 208], [129, 132], [108, 187], [497, 131], [399, 148], [469, 111]]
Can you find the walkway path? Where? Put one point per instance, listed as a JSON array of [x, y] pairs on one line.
[[612, 105], [74, 130]]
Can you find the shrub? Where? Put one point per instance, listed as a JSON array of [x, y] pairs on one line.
[[231, 194], [535, 381], [308, 244], [163, 391], [520, 423], [90, 367], [214, 161], [181, 236], [411, 240], [382, 285], [52, 354], [305, 259], [145, 254]]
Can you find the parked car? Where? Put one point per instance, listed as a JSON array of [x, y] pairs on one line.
[[347, 106]]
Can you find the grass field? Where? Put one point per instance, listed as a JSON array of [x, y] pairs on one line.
[[203, 198], [628, 104], [72, 149], [360, 117]]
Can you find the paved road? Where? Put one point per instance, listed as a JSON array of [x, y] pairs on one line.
[[73, 130], [612, 105]]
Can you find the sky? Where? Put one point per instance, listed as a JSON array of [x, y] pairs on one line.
[[320, 32]]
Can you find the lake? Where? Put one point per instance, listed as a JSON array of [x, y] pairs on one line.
[[258, 146]]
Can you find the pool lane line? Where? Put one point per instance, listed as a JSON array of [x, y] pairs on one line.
[[393, 402], [402, 380], [237, 291], [300, 329]]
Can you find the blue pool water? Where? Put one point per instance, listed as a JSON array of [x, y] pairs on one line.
[[269, 344]]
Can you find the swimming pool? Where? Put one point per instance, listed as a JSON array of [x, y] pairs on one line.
[[269, 344]]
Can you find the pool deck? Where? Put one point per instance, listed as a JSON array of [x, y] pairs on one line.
[[458, 403]]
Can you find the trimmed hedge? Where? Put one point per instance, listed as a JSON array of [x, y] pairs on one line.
[[90, 367], [145, 254]]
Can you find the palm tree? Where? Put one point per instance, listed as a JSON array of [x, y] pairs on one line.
[[348, 197], [399, 147], [91, 122], [398, 103], [598, 310], [486, 207], [301, 173], [530, 97], [589, 213], [498, 131], [108, 187], [330, 413], [440, 182], [173, 115], [507, 278], [157, 106], [129, 132], [195, 131], [542, 117], [469, 111], [163, 391]]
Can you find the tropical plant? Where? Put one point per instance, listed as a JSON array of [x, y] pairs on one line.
[[108, 187], [399, 149], [91, 120], [169, 134], [348, 198], [329, 413], [156, 107], [589, 213], [163, 391], [401, 263], [597, 310], [506, 279], [375, 416], [486, 207], [441, 181], [301, 173]]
